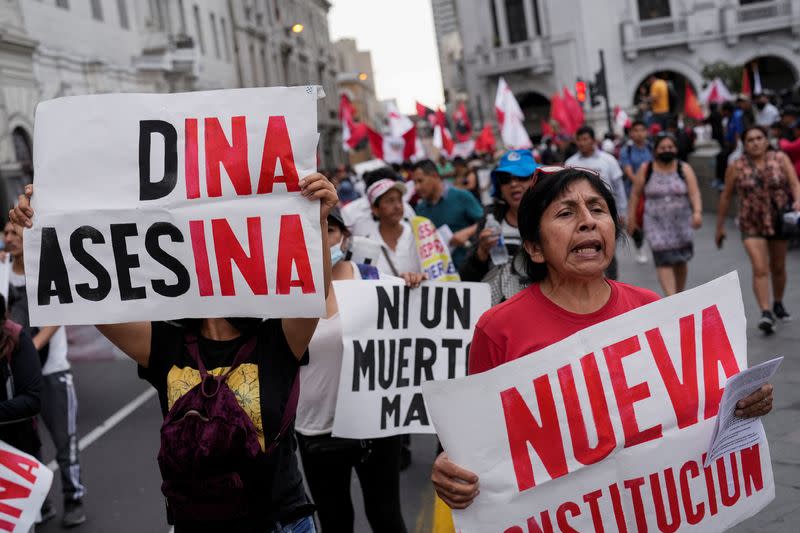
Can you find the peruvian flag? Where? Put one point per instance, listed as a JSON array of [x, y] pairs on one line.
[[559, 115], [486, 143], [393, 149], [691, 107], [441, 135], [715, 93], [757, 88], [621, 118], [463, 126], [510, 118], [427, 113], [746, 90], [574, 110], [547, 129], [399, 124], [353, 133]]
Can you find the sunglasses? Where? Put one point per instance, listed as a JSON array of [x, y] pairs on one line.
[[544, 171], [504, 178]]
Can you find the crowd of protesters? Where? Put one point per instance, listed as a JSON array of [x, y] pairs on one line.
[[542, 227]]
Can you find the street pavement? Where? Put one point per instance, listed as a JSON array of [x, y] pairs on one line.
[[123, 482]]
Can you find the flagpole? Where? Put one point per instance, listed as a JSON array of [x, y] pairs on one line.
[[605, 85]]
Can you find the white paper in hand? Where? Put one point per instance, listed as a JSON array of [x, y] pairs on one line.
[[732, 433]]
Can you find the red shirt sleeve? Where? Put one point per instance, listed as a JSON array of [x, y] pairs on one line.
[[484, 353]]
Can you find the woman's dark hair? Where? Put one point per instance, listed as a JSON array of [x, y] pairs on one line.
[[538, 198], [6, 342], [661, 137], [748, 129]]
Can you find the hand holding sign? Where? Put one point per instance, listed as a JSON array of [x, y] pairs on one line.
[[318, 187]]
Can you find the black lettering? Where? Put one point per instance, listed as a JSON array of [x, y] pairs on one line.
[[87, 261], [389, 306], [431, 323], [363, 364], [124, 261], [53, 277], [422, 363], [402, 362], [149, 190], [386, 363], [153, 247], [416, 411], [455, 308], [406, 303], [466, 359], [389, 408], [451, 345]]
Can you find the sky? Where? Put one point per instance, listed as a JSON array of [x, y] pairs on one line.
[[401, 37]]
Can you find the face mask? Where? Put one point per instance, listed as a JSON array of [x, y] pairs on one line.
[[666, 157], [336, 253], [761, 105]]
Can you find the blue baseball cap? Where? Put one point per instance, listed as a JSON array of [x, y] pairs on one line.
[[517, 163]]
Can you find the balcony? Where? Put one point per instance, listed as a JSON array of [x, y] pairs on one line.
[[532, 55], [757, 18], [655, 33]]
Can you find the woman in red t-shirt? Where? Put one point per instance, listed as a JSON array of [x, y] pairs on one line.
[[569, 224]]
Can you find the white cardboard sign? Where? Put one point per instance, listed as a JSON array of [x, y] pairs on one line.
[[396, 338], [607, 429], [25, 484], [162, 206]]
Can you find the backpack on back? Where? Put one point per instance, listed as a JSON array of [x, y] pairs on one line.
[[209, 446]]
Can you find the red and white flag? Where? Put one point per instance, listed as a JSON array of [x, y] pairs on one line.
[[510, 118], [353, 133], [574, 109], [621, 118], [393, 149], [463, 126], [441, 135], [427, 113], [486, 143]]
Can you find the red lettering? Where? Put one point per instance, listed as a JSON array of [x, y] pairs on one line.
[[597, 517], [277, 145], [606, 441], [712, 492], [716, 351], [561, 516], [514, 529], [727, 498], [547, 525], [20, 465], [693, 514], [626, 395], [523, 429], [634, 486], [751, 469], [292, 251], [233, 156], [658, 499], [12, 491], [616, 503], [192, 170], [5, 525], [200, 251], [228, 250], [684, 395]]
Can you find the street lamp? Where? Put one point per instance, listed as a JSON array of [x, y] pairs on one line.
[[297, 28], [363, 76]]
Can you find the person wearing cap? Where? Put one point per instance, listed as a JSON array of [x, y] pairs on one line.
[[328, 461], [395, 234], [444, 205], [466, 178], [358, 213], [510, 179]]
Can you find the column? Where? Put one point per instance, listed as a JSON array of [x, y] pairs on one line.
[[530, 21], [502, 21]]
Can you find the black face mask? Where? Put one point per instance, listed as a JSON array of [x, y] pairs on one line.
[[761, 105], [666, 157]]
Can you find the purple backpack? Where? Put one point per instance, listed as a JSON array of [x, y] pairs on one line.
[[209, 446]]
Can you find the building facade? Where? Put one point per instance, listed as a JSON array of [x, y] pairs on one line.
[[449, 45], [53, 48], [540, 46], [356, 79]]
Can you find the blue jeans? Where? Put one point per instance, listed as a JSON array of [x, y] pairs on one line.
[[303, 525]]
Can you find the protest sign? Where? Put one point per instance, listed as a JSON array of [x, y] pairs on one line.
[[433, 252], [25, 484], [394, 339], [160, 206], [607, 429]]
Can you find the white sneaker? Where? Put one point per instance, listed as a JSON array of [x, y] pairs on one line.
[[641, 257]]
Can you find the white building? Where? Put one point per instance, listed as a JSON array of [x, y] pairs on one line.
[[52, 48], [448, 42], [540, 46]]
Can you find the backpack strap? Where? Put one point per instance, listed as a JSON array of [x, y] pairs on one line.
[[289, 413], [649, 172]]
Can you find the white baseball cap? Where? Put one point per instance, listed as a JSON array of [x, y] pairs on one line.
[[381, 187]]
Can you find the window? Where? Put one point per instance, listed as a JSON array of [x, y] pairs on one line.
[[515, 16], [214, 35], [495, 28], [199, 25], [538, 23], [122, 7], [653, 9], [62, 4], [97, 10], [225, 39]]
